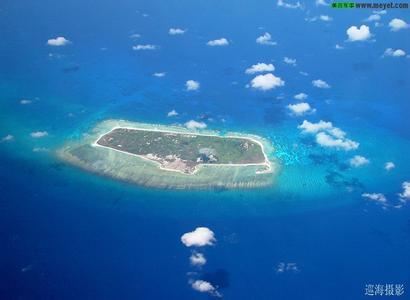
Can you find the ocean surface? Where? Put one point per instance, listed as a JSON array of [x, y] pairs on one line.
[[69, 234]]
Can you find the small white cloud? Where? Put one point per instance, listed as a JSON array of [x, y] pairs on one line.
[[389, 165], [358, 161], [25, 101], [356, 34], [192, 85], [201, 236], [192, 124], [308, 127], [325, 18], [259, 68], [39, 134], [172, 113], [135, 36], [176, 31], [303, 73], [338, 47], [218, 42], [321, 84], [283, 267], [300, 109], [397, 24], [405, 195], [266, 82], [7, 138], [282, 3], [205, 287], [197, 259], [144, 47], [372, 18], [380, 12], [327, 140], [58, 41], [375, 197], [321, 2], [265, 39], [300, 96], [289, 61], [40, 149], [394, 53], [159, 74]]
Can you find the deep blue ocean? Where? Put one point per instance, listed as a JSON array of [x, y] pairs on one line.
[[69, 234]]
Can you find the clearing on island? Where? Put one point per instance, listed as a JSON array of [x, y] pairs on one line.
[[172, 156]]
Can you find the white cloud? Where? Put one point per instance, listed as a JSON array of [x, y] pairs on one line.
[[405, 195], [135, 36], [159, 74], [356, 34], [389, 165], [321, 2], [303, 73], [300, 109], [7, 138], [201, 236], [40, 149], [394, 53], [283, 267], [260, 67], [358, 161], [325, 18], [375, 197], [144, 47], [380, 12], [289, 61], [197, 259], [192, 124], [373, 18], [338, 47], [397, 24], [321, 84], [266, 82], [327, 140], [300, 96], [308, 127], [192, 85], [265, 39], [205, 287], [176, 31], [172, 113], [218, 42], [58, 41], [282, 3], [39, 134], [25, 101], [328, 136]]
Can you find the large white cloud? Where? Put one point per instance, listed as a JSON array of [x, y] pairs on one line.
[[201, 236], [328, 136], [259, 68], [266, 82], [144, 47], [394, 53], [58, 41], [358, 161], [192, 124], [356, 34], [378, 197], [398, 24], [321, 84], [218, 42], [197, 259], [192, 85], [39, 134], [265, 39], [405, 195], [176, 31], [300, 109]]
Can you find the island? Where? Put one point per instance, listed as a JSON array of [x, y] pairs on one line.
[[172, 156]]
